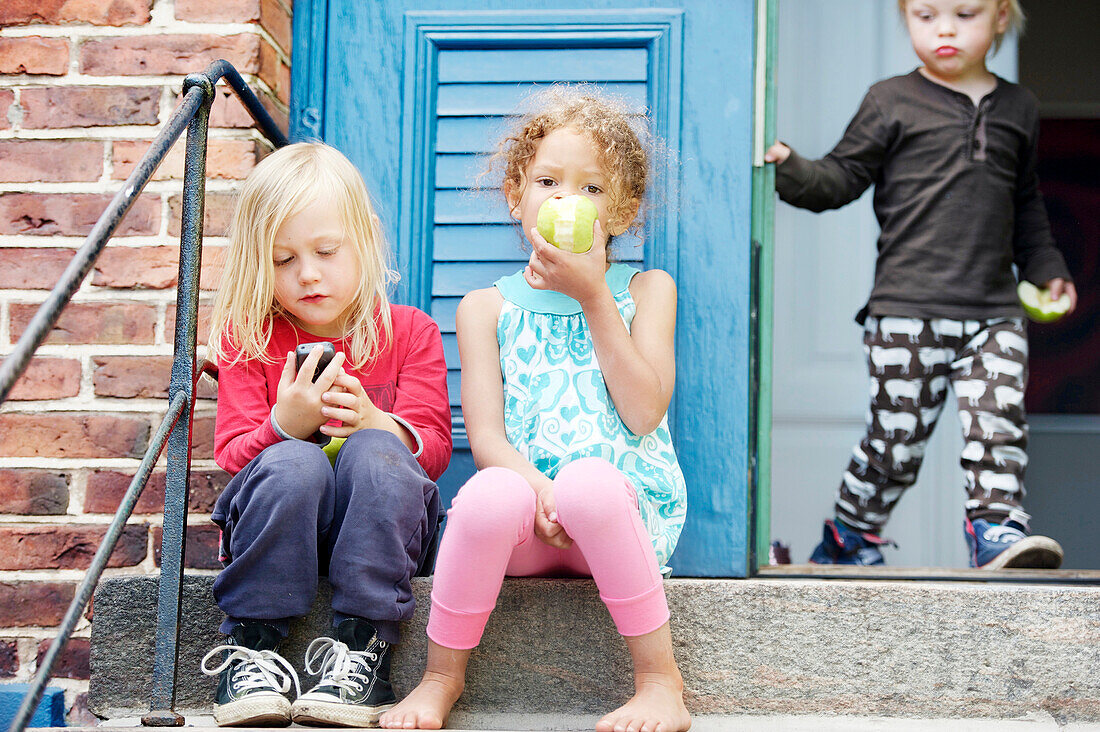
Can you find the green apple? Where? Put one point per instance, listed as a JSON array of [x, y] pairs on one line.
[[332, 449], [1038, 303], [567, 222]]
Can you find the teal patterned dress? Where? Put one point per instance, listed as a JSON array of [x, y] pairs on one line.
[[557, 408]]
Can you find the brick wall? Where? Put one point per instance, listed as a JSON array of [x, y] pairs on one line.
[[84, 87]]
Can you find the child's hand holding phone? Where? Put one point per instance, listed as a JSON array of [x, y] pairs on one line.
[[303, 380], [348, 402]]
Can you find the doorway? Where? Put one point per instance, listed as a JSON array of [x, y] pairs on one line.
[[823, 270]]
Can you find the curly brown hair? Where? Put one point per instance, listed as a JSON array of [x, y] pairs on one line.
[[606, 121]]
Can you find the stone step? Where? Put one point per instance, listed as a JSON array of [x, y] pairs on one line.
[[932, 650], [1035, 722]]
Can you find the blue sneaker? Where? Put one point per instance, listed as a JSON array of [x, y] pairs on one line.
[[843, 545], [993, 546]]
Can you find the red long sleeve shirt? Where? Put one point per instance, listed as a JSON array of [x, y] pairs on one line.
[[409, 379]]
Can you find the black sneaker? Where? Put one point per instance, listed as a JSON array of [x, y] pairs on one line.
[[253, 678], [354, 689]]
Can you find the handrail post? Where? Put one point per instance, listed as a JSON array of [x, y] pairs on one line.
[[163, 697]]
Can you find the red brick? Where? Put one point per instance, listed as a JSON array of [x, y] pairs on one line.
[[32, 268], [9, 659], [218, 11], [276, 21], [74, 214], [216, 218], [203, 325], [72, 662], [106, 489], [7, 96], [226, 110], [213, 262], [278, 112], [145, 268], [274, 72], [225, 159], [94, 12], [93, 322], [48, 378], [24, 604], [202, 438], [71, 546], [89, 106], [33, 492], [34, 55], [206, 486], [66, 435], [129, 377], [168, 54], [200, 546], [49, 161], [144, 377]]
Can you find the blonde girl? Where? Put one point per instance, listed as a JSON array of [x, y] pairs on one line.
[[308, 264], [567, 373]]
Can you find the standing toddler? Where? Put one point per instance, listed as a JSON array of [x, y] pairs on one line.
[[951, 150]]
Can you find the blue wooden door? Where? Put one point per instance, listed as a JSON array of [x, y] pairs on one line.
[[416, 91]]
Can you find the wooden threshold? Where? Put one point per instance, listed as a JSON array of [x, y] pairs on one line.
[[928, 574]]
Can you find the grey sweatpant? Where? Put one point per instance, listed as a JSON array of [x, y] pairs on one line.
[[290, 516]]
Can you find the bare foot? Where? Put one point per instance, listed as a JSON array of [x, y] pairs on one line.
[[657, 706], [427, 706]]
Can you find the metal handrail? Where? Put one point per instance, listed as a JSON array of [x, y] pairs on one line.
[[193, 114]]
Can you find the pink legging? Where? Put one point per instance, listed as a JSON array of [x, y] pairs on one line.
[[490, 533]]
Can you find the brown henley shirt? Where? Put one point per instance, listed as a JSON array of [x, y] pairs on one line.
[[956, 197]]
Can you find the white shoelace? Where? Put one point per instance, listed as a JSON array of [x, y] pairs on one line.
[[260, 669], [339, 665], [1002, 533]]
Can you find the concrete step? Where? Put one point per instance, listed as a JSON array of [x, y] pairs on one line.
[[1037, 722], [924, 650]]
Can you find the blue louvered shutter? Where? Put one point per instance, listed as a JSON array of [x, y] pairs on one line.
[[474, 241]]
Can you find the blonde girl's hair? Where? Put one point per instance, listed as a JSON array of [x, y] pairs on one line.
[[1016, 19], [605, 120], [282, 185]]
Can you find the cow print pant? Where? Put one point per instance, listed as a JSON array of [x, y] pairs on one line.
[[911, 363]]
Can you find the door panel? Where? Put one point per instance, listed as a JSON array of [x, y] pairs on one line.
[[416, 92]]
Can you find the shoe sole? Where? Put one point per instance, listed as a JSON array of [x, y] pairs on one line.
[[321, 713], [1032, 552], [270, 710]]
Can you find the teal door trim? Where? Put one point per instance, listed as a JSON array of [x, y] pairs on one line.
[[763, 243]]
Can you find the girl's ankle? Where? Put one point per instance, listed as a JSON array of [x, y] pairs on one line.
[[671, 678], [451, 681]]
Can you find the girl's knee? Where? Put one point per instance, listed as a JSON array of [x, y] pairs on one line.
[[371, 446], [592, 486], [493, 497], [289, 470]]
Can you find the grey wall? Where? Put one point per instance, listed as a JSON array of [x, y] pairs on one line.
[[1064, 485]]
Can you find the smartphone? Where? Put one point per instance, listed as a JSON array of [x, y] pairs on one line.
[[304, 349]]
